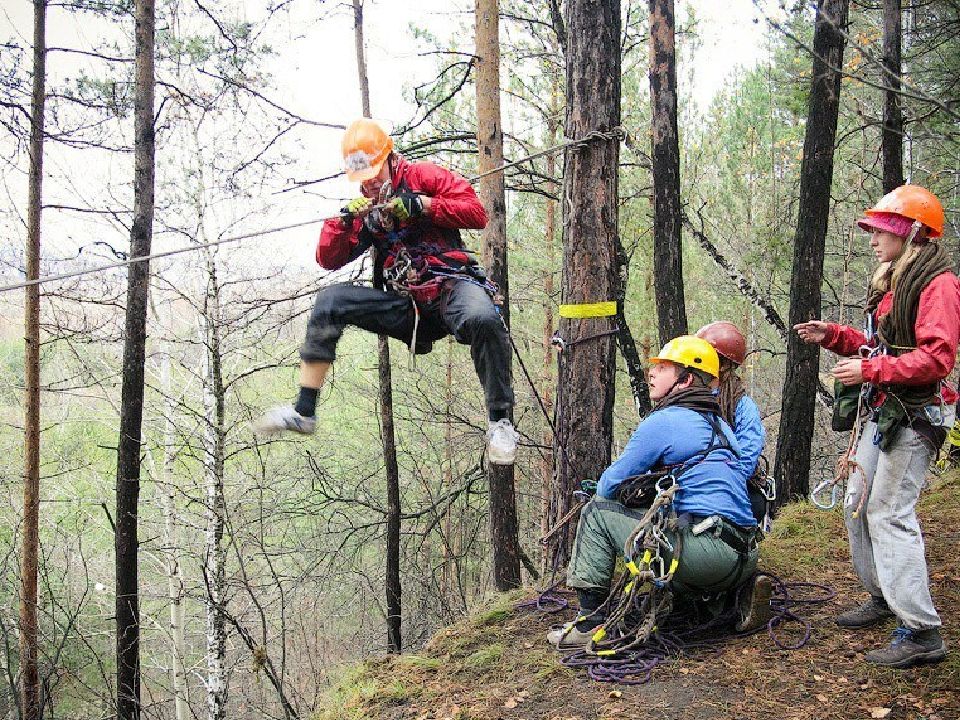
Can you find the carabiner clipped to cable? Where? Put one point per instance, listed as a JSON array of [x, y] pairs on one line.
[[834, 495]]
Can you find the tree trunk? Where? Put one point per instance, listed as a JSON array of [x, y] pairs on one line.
[[213, 452], [30, 698], [585, 387], [176, 590], [892, 115], [792, 467], [134, 350], [500, 478], [393, 588], [667, 250]]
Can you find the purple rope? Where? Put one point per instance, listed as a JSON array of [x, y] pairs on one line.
[[681, 633], [550, 600]]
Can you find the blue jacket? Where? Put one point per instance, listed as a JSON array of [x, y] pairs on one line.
[[751, 435], [709, 485]]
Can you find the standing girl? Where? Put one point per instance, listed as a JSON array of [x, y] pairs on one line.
[[909, 347]]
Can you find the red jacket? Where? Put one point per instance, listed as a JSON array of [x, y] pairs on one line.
[[455, 206], [937, 330]]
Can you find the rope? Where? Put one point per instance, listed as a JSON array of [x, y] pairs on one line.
[[683, 631], [595, 136]]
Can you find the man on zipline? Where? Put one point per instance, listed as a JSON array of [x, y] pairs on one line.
[[411, 213], [684, 435]]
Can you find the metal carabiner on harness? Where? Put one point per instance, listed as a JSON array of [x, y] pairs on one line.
[[665, 484], [834, 495], [769, 488]]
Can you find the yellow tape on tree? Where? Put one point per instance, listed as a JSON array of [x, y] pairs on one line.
[[589, 310]]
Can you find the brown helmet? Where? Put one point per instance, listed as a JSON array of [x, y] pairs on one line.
[[727, 339]]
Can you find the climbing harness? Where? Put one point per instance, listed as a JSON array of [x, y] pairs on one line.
[[641, 593]]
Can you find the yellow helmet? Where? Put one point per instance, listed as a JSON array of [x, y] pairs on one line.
[[690, 352]]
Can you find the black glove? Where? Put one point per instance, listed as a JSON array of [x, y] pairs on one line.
[[405, 206]]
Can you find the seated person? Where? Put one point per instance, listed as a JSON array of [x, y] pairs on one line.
[[686, 432], [738, 408]]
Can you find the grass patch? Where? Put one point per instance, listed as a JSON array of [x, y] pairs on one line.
[[803, 539], [419, 661], [360, 688], [501, 609], [485, 657]]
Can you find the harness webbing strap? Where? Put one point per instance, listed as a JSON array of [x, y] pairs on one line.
[[606, 308]]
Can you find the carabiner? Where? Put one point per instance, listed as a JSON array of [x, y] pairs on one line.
[[670, 482], [834, 494], [769, 489]]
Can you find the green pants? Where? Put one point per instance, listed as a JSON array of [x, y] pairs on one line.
[[707, 563]]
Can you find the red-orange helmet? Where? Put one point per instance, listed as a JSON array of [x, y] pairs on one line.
[[727, 339], [365, 147], [912, 202]]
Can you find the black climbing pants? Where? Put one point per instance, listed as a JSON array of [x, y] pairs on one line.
[[463, 310]]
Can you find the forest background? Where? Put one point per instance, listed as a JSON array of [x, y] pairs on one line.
[[283, 541]]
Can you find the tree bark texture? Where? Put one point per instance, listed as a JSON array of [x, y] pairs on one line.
[[892, 114], [392, 589], [792, 466], [586, 383], [214, 444], [134, 349], [31, 702], [492, 192], [667, 220]]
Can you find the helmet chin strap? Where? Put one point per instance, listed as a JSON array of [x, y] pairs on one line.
[[684, 374]]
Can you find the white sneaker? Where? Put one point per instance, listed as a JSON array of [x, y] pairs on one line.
[[283, 417], [502, 442], [568, 637]]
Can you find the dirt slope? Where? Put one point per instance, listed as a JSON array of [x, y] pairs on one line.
[[497, 665]]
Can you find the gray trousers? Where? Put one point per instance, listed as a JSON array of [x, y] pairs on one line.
[[885, 541]]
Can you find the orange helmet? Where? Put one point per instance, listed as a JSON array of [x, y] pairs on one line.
[[726, 339], [914, 203], [365, 147]]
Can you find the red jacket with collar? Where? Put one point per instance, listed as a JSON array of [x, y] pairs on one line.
[[937, 330], [454, 206]]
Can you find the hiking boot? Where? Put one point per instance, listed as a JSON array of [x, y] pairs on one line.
[[910, 647], [283, 417], [569, 637], [502, 442], [873, 611], [757, 613]]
